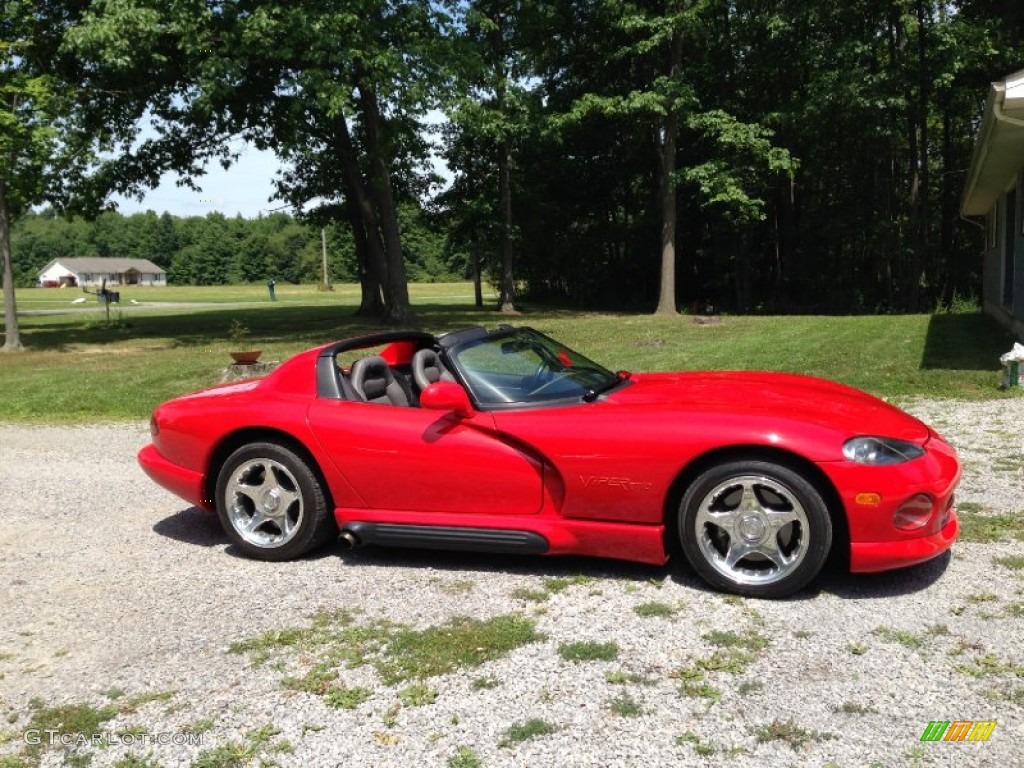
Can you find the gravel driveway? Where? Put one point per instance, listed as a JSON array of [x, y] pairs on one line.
[[115, 594]]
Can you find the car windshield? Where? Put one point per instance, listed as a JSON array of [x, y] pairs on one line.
[[524, 366]]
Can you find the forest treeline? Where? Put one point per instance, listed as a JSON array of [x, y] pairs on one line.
[[215, 249], [760, 155]]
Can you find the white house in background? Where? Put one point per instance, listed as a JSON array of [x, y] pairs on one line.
[[93, 271], [995, 190]]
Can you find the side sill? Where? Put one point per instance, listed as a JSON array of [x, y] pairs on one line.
[[449, 537]]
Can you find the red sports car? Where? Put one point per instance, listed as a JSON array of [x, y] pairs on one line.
[[508, 441]]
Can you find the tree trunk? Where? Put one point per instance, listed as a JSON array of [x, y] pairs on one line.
[[508, 284], [12, 336], [363, 219], [474, 255], [915, 205], [326, 284], [371, 301], [396, 288], [949, 207], [667, 190], [921, 265], [744, 276], [667, 199]]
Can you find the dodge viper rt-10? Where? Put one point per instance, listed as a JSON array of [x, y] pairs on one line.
[[508, 441]]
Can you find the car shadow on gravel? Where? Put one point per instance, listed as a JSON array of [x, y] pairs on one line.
[[903, 581], [516, 565], [196, 527], [192, 526], [852, 586], [202, 529]]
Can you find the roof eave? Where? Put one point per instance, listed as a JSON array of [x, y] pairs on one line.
[[998, 151], [975, 201]]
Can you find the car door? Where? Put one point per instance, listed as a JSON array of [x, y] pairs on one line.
[[610, 465], [414, 459]]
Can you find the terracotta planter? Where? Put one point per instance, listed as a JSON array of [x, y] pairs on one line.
[[246, 358]]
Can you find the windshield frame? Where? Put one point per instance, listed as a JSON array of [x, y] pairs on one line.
[[520, 367]]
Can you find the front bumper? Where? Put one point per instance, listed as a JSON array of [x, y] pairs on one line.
[[189, 485], [872, 556], [872, 495]]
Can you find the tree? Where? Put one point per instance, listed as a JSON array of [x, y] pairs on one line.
[[38, 238], [653, 58], [76, 78], [336, 91], [775, 154], [497, 112], [468, 204], [648, 44], [37, 142], [879, 102], [165, 239]]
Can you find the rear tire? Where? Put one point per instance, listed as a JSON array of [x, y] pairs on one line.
[[271, 503], [755, 528]]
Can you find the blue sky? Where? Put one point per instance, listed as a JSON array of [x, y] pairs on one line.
[[243, 188]]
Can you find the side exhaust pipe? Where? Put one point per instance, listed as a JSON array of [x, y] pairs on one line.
[[348, 539]]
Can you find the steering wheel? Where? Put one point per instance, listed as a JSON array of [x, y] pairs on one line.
[[556, 377], [536, 379]]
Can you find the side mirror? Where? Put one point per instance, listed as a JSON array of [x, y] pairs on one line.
[[447, 396]]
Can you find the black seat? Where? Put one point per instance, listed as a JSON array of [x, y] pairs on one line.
[[427, 369], [374, 382]]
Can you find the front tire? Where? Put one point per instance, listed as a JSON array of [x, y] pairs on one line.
[[755, 528], [271, 503]]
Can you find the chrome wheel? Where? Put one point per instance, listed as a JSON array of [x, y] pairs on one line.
[[264, 503], [752, 530], [272, 503], [755, 527]]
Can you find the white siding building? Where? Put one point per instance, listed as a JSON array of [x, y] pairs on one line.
[[93, 271], [995, 190]]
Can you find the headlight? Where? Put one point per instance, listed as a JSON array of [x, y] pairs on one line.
[[878, 451]]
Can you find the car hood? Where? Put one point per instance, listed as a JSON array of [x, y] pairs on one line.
[[776, 395]]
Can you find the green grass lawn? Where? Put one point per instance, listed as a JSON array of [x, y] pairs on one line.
[[78, 370], [255, 294]]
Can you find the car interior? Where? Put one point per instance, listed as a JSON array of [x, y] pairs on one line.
[[394, 369], [372, 380]]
